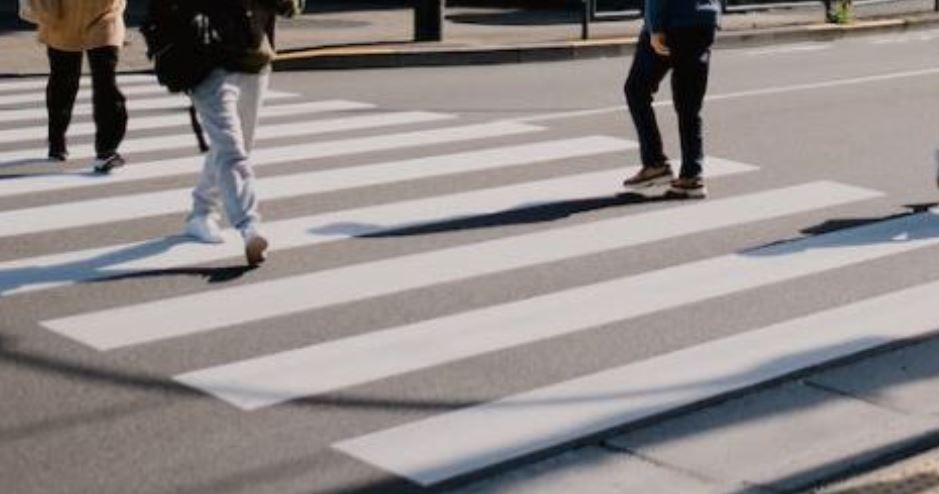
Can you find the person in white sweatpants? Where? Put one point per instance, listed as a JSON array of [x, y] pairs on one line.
[[228, 102]]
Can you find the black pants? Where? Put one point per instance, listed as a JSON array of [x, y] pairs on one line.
[[689, 62], [110, 111]]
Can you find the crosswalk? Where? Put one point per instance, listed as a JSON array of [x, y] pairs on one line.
[[299, 137]]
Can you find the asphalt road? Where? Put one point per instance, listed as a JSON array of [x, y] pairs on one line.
[[385, 220]]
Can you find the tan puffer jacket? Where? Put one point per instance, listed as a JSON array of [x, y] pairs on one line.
[[78, 25]]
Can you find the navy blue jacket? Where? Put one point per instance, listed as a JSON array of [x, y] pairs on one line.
[[661, 15]]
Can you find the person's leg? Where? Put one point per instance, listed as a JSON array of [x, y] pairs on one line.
[[64, 74], [647, 71], [217, 101], [202, 223], [692, 56], [253, 87], [110, 110]]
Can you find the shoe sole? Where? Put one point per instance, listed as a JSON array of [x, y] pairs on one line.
[[701, 193], [256, 251], [662, 181], [205, 240]]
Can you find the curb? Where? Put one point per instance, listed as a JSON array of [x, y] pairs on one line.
[[432, 56]]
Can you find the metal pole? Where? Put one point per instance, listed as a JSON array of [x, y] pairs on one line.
[[428, 20], [585, 18]]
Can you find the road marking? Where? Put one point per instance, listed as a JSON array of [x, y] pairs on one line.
[[83, 94], [34, 274], [138, 206], [182, 119], [267, 156], [904, 38], [267, 132], [457, 443], [273, 379], [9, 85], [787, 49], [164, 319], [740, 94], [174, 102]]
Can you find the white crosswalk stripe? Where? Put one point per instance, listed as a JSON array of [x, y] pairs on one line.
[[83, 94], [177, 141], [163, 121], [444, 446], [39, 84], [173, 102]]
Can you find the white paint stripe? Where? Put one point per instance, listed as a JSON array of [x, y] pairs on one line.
[[268, 132], [181, 119], [267, 156], [449, 445], [34, 274], [181, 316], [139, 206], [10, 85], [83, 94], [135, 104], [786, 49], [277, 378], [741, 94], [904, 38]]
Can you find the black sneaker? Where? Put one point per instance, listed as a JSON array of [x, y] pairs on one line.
[[648, 177], [59, 155], [108, 163], [688, 188]]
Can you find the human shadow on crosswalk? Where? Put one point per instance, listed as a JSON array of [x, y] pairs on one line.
[[96, 269], [48, 168], [919, 223], [518, 215]]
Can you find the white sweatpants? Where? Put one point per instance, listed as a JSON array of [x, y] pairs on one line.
[[228, 104]]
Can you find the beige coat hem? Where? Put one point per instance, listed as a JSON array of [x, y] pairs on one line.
[[80, 25]]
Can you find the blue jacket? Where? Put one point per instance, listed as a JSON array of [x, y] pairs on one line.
[[665, 14]]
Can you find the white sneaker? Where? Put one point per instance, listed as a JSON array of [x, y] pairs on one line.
[[255, 245], [204, 228]]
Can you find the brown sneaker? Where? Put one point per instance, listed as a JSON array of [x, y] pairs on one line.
[[648, 177], [688, 188], [255, 246]]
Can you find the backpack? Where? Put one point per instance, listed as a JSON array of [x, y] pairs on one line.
[[180, 42], [187, 39]]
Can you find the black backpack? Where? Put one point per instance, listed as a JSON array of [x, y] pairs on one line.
[[187, 39], [180, 41]]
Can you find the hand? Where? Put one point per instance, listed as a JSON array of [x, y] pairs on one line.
[[658, 44], [290, 8]]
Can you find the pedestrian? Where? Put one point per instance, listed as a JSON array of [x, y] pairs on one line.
[[228, 102], [677, 35], [69, 29]]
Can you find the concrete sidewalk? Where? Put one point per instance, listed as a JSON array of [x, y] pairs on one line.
[[805, 433], [382, 38]]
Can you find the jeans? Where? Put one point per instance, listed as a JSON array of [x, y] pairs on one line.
[[228, 104], [689, 62], [109, 108]]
